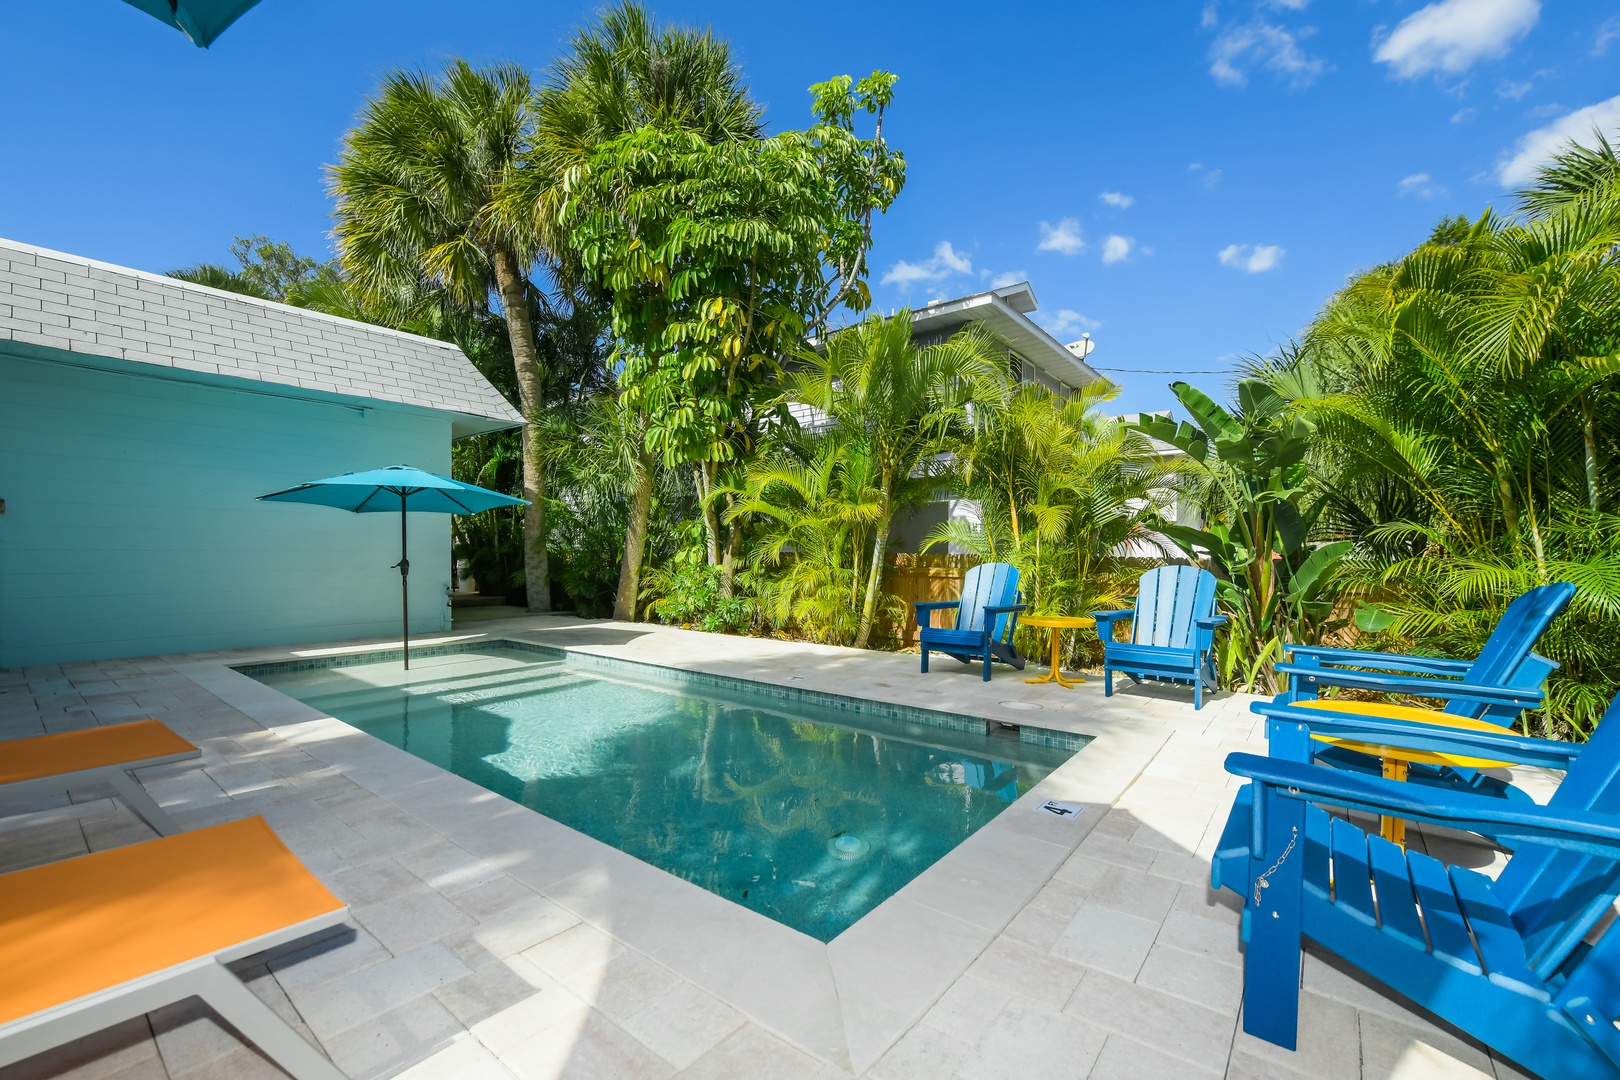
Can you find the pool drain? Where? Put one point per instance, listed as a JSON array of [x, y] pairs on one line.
[[845, 846]]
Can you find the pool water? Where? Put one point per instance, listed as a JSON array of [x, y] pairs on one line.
[[810, 817]]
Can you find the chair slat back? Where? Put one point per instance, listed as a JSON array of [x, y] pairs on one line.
[[1556, 896], [1517, 631], [1168, 600], [1531, 674], [987, 585]]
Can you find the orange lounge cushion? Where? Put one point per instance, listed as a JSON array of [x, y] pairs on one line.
[[86, 924], [1407, 712], [92, 748]]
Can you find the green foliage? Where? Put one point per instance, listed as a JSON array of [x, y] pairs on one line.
[[721, 257], [1275, 587], [1063, 491], [819, 502], [900, 404], [1467, 420], [268, 269], [420, 176], [689, 594]]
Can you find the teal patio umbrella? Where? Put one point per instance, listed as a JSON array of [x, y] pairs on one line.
[[200, 20], [396, 489]]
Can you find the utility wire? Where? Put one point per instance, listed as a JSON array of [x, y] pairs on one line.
[[1165, 371]]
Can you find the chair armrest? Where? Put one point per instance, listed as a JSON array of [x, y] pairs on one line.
[[999, 609], [1417, 735], [1509, 820], [1448, 689], [1421, 665], [1105, 621], [1210, 622], [923, 606]]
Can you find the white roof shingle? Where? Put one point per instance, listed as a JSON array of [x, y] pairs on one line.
[[73, 304]]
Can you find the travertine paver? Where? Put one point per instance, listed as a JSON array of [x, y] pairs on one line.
[[1119, 962]]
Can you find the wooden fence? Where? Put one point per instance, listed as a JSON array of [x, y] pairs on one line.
[[918, 578]]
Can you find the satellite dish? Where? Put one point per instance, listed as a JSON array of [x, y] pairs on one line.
[[1082, 348]]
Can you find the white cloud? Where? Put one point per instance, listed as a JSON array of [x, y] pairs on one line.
[[1064, 238], [1118, 200], [1262, 44], [1291, 5], [1462, 116], [1255, 259], [1538, 147], [1008, 277], [946, 261], [1453, 35], [1606, 33], [1513, 91], [1208, 177], [1116, 248], [1210, 17], [1067, 321], [1419, 185]]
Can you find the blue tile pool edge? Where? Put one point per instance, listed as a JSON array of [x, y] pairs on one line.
[[909, 714]]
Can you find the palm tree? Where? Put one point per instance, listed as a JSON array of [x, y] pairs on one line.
[[622, 74], [899, 401], [417, 186], [1064, 493], [617, 76], [819, 502]]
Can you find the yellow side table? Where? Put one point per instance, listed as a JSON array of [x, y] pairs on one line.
[[1397, 758], [1057, 624]]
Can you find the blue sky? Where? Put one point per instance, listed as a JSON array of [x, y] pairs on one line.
[[1187, 181]]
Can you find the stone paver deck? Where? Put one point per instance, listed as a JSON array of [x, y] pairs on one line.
[[489, 941]]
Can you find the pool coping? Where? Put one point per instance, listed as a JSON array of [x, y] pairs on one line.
[[845, 1001]]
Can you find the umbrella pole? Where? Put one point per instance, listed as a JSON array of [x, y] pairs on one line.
[[404, 585]]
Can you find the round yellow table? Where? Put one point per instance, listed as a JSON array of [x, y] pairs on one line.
[[1397, 758], [1057, 624]]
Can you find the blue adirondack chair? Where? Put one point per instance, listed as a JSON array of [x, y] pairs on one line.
[[1172, 631], [1474, 689], [1504, 960], [1516, 632], [986, 617]]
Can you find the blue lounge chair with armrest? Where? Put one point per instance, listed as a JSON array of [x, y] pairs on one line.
[[1172, 631], [1504, 960], [986, 617], [1315, 668], [1469, 688]]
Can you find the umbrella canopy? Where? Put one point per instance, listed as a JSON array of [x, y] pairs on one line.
[[396, 489], [200, 20], [379, 491]]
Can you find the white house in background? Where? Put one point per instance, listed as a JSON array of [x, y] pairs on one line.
[[139, 418], [1041, 358]]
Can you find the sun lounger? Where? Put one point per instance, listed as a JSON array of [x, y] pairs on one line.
[[93, 941], [103, 755]]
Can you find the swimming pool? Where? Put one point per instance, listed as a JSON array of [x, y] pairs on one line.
[[808, 815]]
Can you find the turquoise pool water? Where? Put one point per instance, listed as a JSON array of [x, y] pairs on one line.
[[810, 817]]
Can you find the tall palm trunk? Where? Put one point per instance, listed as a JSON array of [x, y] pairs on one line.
[[635, 544], [1589, 441], [733, 553], [510, 284], [711, 517], [1506, 497], [874, 577]]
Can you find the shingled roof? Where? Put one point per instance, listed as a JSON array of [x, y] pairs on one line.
[[64, 302]]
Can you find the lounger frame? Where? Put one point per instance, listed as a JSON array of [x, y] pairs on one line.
[[120, 776], [207, 978]]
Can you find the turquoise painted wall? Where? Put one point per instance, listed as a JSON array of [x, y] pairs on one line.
[[130, 526]]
